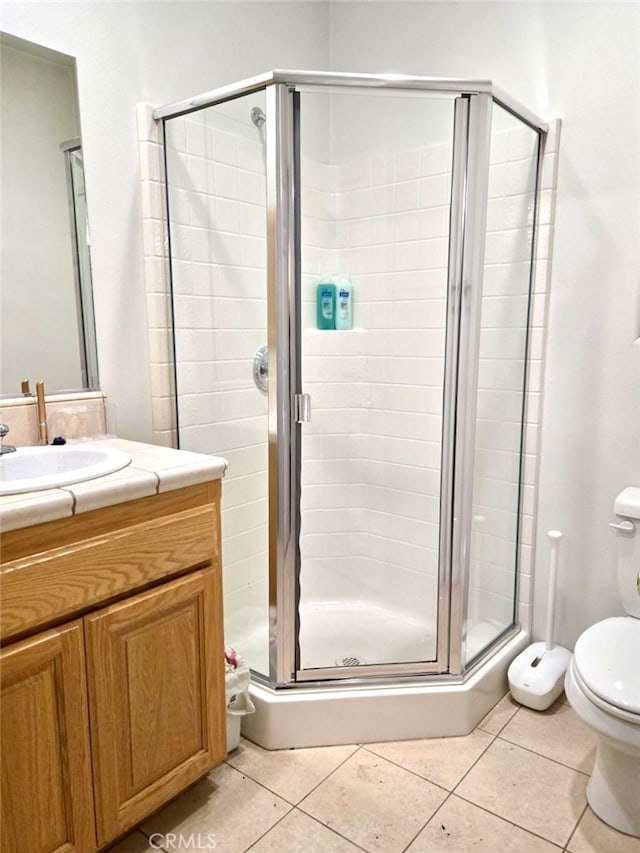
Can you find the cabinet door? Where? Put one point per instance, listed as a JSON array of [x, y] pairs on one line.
[[47, 804], [155, 669]]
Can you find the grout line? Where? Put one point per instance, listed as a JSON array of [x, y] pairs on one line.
[[406, 769], [311, 790], [495, 738], [484, 751], [424, 778], [362, 747], [260, 837], [507, 820], [148, 837], [358, 747], [504, 725], [573, 831], [422, 828], [331, 829], [541, 755], [245, 775]]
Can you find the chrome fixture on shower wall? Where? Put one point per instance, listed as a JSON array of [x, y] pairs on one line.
[[261, 369], [258, 117]]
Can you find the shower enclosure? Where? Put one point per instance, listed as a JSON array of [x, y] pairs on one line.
[[372, 505]]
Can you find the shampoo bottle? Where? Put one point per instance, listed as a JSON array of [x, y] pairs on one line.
[[326, 305], [344, 304]]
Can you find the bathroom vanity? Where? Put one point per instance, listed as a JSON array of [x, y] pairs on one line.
[[112, 661]]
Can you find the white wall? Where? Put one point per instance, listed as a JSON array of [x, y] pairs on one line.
[[133, 52], [579, 61]]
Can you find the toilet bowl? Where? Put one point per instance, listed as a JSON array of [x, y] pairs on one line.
[[603, 686]]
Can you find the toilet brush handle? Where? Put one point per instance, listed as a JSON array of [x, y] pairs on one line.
[[554, 544]]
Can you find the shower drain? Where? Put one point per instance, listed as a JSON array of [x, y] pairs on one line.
[[350, 660]]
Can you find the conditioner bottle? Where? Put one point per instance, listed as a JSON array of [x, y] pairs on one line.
[[344, 304]]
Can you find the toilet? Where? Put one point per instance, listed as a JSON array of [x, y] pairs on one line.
[[603, 684]]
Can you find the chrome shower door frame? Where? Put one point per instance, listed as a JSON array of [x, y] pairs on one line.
[[470, 189], [470, 174], [284, 384]]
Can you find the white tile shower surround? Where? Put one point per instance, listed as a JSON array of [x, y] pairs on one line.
[[515, 784], [401, 512]]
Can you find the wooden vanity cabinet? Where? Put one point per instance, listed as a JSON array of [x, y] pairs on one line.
[[112, 713], [47, 799], [152, 685]]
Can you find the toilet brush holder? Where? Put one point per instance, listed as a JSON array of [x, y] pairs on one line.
[[536, 675]]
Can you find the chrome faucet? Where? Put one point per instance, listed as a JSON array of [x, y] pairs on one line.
[[5, 448]]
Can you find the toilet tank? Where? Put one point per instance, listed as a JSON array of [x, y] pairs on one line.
[[627, 505]]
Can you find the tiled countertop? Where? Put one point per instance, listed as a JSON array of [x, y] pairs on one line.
[[153, 469]]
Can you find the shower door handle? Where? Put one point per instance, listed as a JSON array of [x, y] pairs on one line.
[[302, 404]]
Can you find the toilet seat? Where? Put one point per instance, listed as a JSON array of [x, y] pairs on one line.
[[606, 665], [597, 702]]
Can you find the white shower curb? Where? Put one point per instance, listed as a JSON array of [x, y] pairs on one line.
[[304, 717]]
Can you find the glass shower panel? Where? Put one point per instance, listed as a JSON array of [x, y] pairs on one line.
[[217, 219], [375, 196], [497, 487]]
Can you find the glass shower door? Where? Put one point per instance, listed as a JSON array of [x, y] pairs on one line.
[[498, 494], [375, 189], [216, 191]]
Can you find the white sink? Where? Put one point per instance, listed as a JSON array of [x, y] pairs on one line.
[[31, 469]]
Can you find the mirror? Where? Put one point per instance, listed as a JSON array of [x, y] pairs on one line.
[[47, 328]]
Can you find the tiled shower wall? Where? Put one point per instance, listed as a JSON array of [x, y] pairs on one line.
[[366, 399], [371, 474]]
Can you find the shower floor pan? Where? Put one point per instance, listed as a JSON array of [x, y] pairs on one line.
[[321, 716], [356, 633], [331, 632]]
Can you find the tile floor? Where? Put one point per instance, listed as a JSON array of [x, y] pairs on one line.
[[515, 784]]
